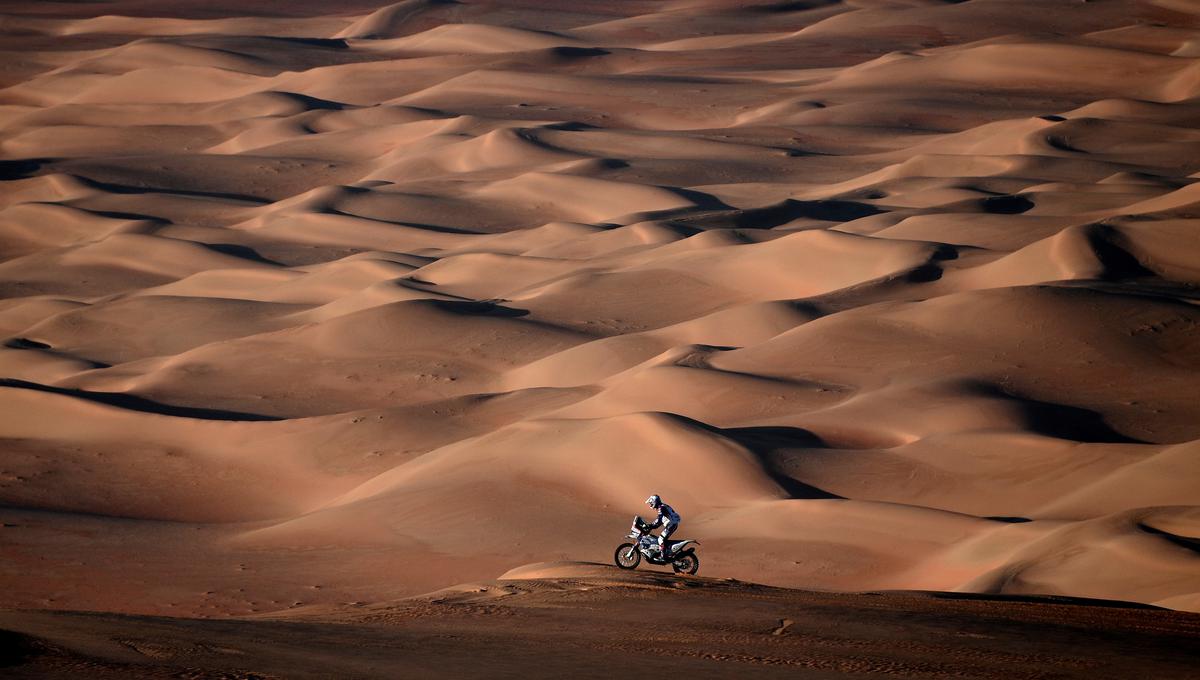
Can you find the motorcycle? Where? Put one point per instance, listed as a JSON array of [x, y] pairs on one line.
[[680, 556]]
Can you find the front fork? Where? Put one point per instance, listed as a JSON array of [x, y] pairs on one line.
[[634, 548]]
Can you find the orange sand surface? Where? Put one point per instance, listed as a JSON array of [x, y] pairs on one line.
[[306, 304], [583, 620]]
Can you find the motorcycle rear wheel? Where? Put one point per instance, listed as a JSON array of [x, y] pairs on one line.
[[686, 564], [627, 556]]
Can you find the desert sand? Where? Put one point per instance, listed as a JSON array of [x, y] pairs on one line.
[[308, 307], [583, 620]]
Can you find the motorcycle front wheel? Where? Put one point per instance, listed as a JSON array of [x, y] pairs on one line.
[[627, 556], [686, 564]]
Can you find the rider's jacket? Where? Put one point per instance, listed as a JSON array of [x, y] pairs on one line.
[[666, 516]]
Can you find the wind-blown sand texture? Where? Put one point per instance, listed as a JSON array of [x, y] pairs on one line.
[[303, 309]]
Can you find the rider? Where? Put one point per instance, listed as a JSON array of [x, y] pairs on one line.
[[668, 519]]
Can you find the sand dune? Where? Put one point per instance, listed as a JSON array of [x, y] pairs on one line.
[[304, 305]]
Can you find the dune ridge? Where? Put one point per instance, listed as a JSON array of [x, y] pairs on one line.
[[326, 306]]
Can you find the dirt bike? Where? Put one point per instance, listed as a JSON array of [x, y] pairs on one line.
[[681, 557]]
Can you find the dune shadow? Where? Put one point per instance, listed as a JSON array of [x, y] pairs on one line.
[[1118, 263], [782, 7], [116, 215], [766, 442], [576, 52], [238, 250], [776, 214], [333, 43], [926, 273], [1187, 542], [1006, 205], [479, 308], [932, 271], [113, 188], [766, 438], [25, 343], [1073, 423], [702, 200], [832, 210], [314, 103], [612, 163], [570, 126], [1061, 143], [135, 403], [1060, 420], [21, 168], [378, 220], [17, 648]]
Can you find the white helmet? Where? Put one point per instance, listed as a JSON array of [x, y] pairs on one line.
[[654, 501]]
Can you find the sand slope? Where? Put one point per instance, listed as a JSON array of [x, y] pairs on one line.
[[307, 305]]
